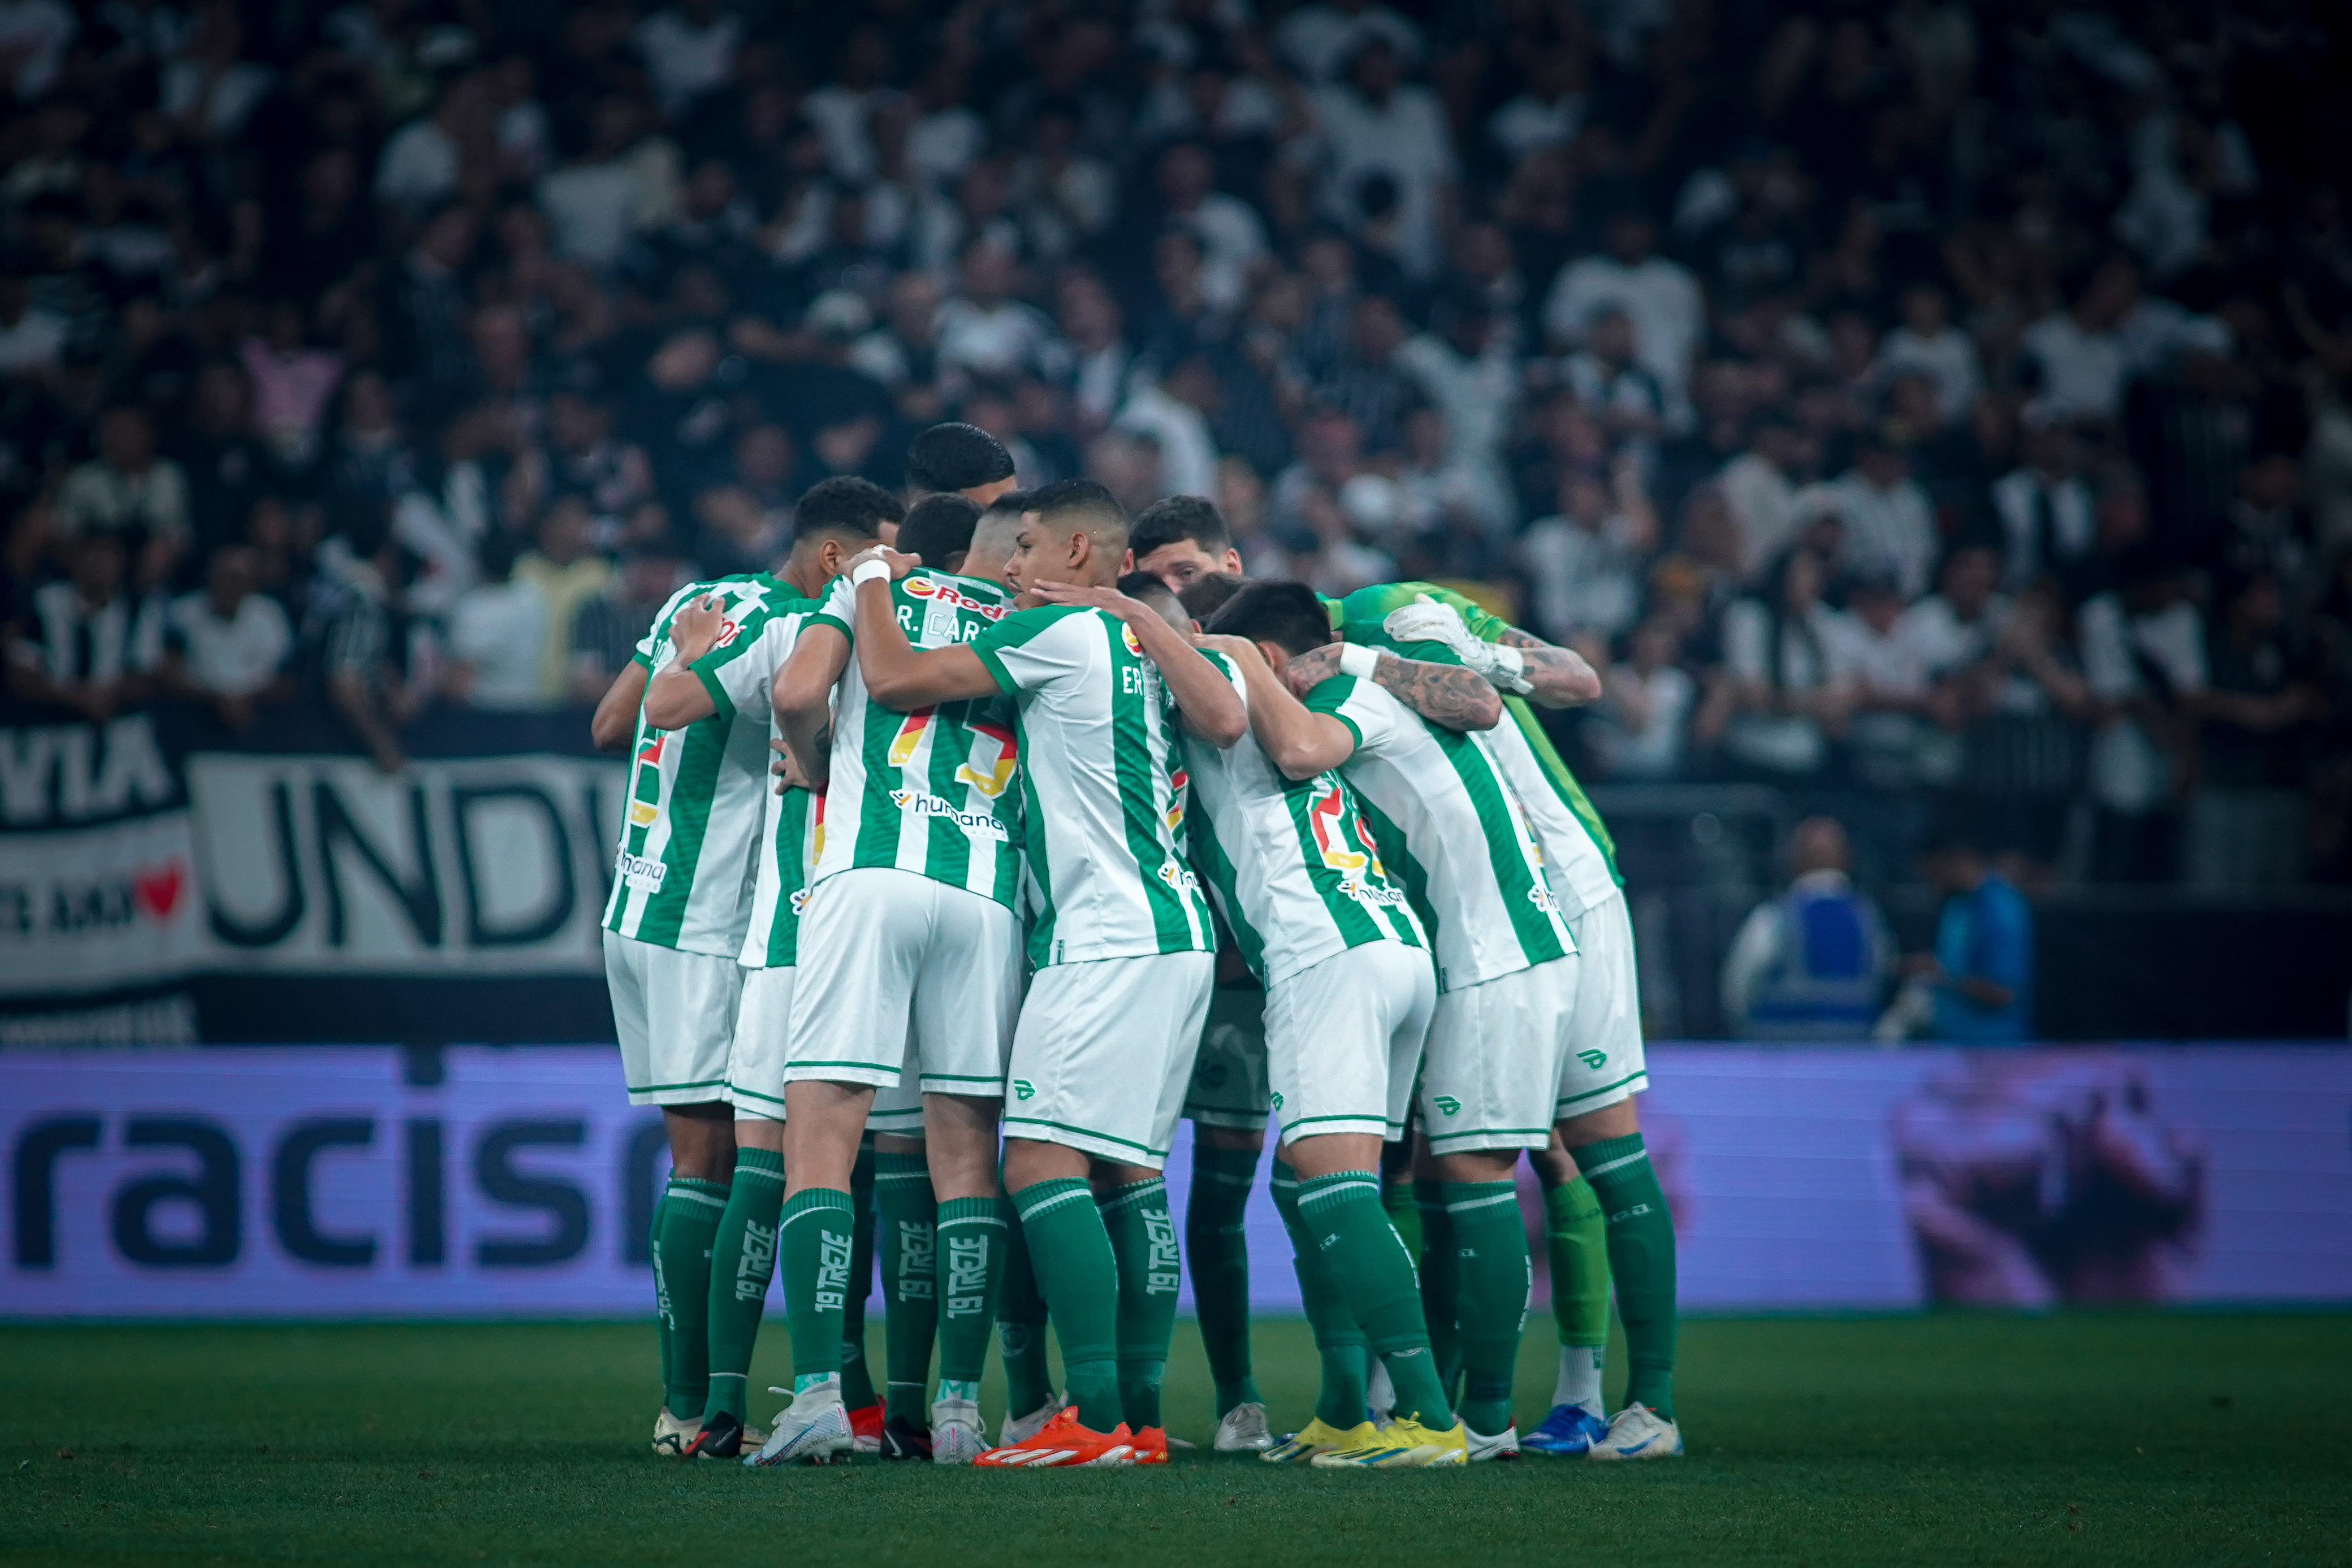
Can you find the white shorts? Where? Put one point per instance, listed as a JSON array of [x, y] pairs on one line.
[[1343, 1040], [1604, 1062], [1493, 1070], [674, 1015], [763, 1025], [1228, 1087], [1104, 1052], [899, 1110], [898, 971]]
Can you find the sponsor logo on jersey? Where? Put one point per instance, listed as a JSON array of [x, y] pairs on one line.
[[1371, 893], [1325, 816], [800, 902], [1126, 635], [954, 598], [641, 874], [922, 803], [642, 814], [1178, 783], [1177, 877], [1539, 894]]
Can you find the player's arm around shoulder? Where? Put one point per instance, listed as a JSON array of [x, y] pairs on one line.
[[675, 697], [1298, 741], [1210, 706], [1509, 659], [898, 674]]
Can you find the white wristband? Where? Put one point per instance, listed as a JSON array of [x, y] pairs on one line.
[[869, 572], [1510, 672], [1359, 661]]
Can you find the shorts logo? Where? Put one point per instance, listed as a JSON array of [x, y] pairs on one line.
[[641, 874], [1023, 1089], [1592, 1059], [1274, 1101], [1448, 1103]]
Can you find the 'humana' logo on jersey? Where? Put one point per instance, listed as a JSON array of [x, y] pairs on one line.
[[924, 804], [641, 873], [1371, 893]]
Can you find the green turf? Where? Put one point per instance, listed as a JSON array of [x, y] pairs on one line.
[[2091, 1439]]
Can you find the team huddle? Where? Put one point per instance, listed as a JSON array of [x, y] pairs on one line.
[[984, 842]]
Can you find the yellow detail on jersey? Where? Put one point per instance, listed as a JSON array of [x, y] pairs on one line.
[[910, 737], [997, 775]]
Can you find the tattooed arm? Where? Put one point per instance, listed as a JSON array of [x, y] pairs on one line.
[[1449, 695], [1556, 676]]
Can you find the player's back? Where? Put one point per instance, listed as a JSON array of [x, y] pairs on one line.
[[1103, 811]]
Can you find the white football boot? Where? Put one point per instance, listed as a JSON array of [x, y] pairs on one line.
[[1244, 1431], [673, 1437], [1018, 1429], [957, 1435], [814, 1429], [1638, 1432]]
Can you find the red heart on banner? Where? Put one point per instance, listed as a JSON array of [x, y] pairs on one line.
[[158, 891]]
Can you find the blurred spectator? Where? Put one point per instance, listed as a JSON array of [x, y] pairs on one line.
[[497, 638], [1814, 963], [1641, 729], [87, 644], [228, 644], [1980, 979], [605, 630], [1657, 297], [2144, 657], [565, 572], [126, 490], [1783, 700], [2047, 519], [2246, 825], [1585, 563], [376, 664]]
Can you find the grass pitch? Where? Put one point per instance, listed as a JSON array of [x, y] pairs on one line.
[[1966, 1440]]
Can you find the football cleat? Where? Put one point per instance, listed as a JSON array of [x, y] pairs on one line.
[[1503, 1445], [814, 1429], [1438, 1450], [1318, 1436], [1393, 1448], [1638, 1432], [1151, 1446], [902, 1439], [957, 1435], [721, 1437], [1063, 1443], [1019, 1429], [1566, 1434], [866, 1426], [674, 1438], [1242, 1430]]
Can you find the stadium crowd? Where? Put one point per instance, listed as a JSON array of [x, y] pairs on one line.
[[1923, 400]]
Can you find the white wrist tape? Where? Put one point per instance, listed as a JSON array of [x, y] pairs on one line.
[[869, 572], [1509, 672], [1359, 661]]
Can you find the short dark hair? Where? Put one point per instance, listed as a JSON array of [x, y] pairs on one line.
[[938, 528], [846, 503], [1079, 500], [1177, 517], [1137, 584], [1286, 615], [956, 456], [1207, 593]]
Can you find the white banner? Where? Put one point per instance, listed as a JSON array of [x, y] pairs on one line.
[[323, 865], [98, 908]]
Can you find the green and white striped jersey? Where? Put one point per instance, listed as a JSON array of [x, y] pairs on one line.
[[1102, 787], [788, 822], [1291, 864], [929, 792], [1469, 854], [685, 871], [1579, 857]]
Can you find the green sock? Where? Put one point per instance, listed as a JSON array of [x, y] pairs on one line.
[[1079, 1275], [689, 1215], [973, 1238], [856, 1378], [1576, 1239], [905, 1228], [1441, 1282], [1641, 1260], [1338, 1338], [1491, 1303], [1143, 1239], [1021, 1327], [1342, 1213], [1397, 1198], [742, 1260], [1217, 1248], [661, 1294], [814, 1240]]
